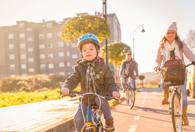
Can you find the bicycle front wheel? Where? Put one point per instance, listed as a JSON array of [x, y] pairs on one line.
[[176, 113], [130, 98]]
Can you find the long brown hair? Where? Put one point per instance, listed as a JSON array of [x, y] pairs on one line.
[[177, 39]]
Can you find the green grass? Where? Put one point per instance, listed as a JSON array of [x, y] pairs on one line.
[[18, 98], [11, 99]]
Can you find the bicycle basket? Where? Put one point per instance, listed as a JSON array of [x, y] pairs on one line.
[[173, 75]]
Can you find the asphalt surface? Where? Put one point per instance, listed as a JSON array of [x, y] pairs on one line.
[[148, 114]]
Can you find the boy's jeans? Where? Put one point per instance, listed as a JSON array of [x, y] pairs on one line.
[[78, 118], [124, 82], [183, 91]]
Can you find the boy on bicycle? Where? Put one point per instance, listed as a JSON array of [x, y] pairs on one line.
[[94, 76], [128, 67]]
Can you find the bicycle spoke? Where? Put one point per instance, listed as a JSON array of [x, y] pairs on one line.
[[176, 113], [130, 98]]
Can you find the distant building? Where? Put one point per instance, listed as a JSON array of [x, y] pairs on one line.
[[29, 48]]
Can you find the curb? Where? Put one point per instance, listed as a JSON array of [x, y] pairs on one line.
[[66, 125]]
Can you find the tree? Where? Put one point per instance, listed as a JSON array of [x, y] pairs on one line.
[[190, 41], [142, 77], [116, 53], [84, 24]]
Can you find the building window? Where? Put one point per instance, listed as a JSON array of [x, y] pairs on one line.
[[21, 25], [30, 59], [22, 46], [61, 64], [11, 56], [68, 64], [12, 67], [59, 33], [22, 56], [73, 45], [24, 75], [10, 36], [68, 53], [74, 55], [29, 29], [41, 36], [41, 46], [51, 74], [60, 44], [49, 25], [11, 46], [29, 39], [31, 69], [73, 66], [50, 55], [30, 49], [51, 66], [23, 66], [67, 44], [49, 35], [22, 35], [42, 66], [61, 54], [49, 45], [12, 75], [42, 56], [62, 74]]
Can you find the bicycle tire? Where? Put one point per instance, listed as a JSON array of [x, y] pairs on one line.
[[176, 113], [130, 98]]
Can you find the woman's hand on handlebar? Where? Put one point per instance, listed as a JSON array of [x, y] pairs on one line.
[[115, 94], [65, 91]]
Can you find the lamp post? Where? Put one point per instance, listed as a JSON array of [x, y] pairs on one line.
[[134, 39], [105, 16]]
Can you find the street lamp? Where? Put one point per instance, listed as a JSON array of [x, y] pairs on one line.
[[105, 16], [134, 40]]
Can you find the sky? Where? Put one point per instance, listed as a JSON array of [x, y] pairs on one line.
[[154, 15]]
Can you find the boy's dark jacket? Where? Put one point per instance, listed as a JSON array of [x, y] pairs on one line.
[[104, 77]]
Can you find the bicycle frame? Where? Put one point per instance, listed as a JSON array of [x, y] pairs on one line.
[[96, 125]]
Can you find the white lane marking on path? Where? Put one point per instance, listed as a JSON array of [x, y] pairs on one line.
[[154, 92], [143, 101], [140, 110], [132, 128], [143, 92], [136, 117]]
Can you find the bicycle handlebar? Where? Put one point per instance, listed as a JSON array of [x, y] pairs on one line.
[[159, 68], [106, 96]]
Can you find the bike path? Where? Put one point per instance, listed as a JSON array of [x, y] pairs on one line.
[[148, 115]]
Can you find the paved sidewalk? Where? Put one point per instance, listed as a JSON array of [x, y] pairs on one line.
[[37, 116], [47, 116]]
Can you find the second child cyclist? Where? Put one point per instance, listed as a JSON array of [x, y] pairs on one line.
[[94, 76]]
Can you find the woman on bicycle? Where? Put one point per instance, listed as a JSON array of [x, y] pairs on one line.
[[94, 76], [170, 46]]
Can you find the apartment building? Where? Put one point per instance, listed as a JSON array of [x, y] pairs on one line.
[[29, 48]]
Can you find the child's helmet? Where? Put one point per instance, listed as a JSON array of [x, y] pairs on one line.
[[88, 38]]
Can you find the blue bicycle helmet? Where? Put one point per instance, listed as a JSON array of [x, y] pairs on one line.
[[88, 38]]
